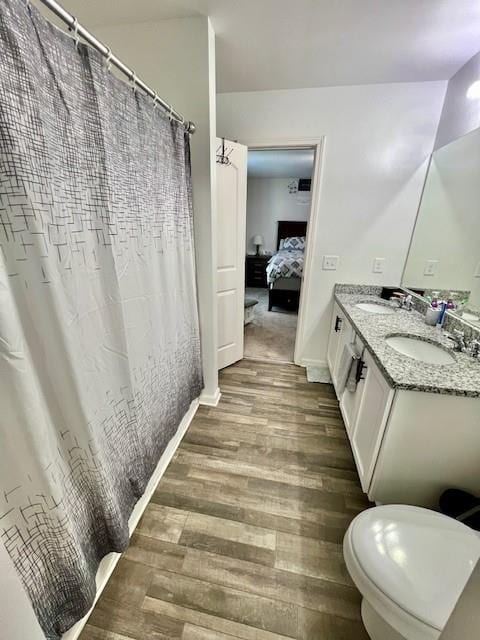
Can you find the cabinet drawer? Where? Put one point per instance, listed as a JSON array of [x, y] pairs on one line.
[[255, 272]]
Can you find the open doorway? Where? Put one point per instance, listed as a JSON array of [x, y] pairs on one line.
[[278, 213]]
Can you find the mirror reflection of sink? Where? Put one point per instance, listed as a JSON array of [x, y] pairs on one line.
[[419, 349], [375, 307]]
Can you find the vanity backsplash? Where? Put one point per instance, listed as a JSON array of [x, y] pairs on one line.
[[367, 289]]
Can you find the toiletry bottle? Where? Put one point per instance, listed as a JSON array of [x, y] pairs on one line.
[[450, 304], [441, 315], [461, 304]]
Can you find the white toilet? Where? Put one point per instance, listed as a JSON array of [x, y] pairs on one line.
[[410, 565]]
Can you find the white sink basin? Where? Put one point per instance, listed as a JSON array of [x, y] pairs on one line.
[[373, 307], [420, 350]]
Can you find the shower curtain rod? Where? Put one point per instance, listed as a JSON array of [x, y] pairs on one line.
[[73, 23]]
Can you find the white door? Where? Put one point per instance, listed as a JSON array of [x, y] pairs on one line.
[[231, 222]]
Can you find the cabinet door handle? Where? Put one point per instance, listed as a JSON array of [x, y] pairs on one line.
[[361, 369], [338, 323]]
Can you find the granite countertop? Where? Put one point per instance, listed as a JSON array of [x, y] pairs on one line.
[[460, 378]]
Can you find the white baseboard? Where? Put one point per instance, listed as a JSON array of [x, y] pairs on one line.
[[108, 564], [210, 400], [312, 362]]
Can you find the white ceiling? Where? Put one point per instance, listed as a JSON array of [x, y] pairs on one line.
[[277, 44], [280, 163]]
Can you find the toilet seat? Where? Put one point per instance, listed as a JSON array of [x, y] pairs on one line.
[[411, 565]]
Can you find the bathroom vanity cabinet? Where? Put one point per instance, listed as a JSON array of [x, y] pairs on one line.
[[408, 446]]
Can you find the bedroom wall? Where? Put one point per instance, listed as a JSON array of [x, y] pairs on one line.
[[460, 114], [377, 141], [268, 201], [177, 58]]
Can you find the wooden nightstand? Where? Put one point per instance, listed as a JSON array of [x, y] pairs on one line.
[[255, 271]]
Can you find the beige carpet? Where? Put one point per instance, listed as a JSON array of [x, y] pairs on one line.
[[271, 335]]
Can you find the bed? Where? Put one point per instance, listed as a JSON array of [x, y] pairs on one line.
[[285, 267]]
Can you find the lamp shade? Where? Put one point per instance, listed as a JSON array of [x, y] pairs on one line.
[[258, 240]]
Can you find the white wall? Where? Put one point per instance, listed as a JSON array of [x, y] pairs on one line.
[[378, 138], [177, 58], [268, 200], [448, 224], [460, 114]]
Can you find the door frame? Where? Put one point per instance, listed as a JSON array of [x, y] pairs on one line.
[[318, 146]]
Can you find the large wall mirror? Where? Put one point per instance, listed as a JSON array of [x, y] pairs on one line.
[[444, 254]]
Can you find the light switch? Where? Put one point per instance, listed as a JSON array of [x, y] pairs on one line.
[[330, 263], [430, 268], [378, 265]]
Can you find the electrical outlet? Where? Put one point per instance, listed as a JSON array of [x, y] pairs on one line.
[[430, 268], [330, 263], [477, 271], [378, 265]]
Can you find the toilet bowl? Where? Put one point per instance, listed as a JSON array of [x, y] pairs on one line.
[[410, 564]]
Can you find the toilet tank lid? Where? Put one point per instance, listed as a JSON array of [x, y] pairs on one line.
[[419, 559]]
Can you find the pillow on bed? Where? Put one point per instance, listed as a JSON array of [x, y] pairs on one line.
[[297, 242]]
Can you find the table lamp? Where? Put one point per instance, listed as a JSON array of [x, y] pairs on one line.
[[258, 241]]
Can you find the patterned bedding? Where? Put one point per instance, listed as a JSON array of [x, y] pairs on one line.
[[286, 263]]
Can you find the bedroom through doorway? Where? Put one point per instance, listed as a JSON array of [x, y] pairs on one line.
[[279, 182]]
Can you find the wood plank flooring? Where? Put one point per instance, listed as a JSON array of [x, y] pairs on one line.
[[242, 538]]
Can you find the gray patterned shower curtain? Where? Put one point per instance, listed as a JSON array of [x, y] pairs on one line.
[[99, 338]]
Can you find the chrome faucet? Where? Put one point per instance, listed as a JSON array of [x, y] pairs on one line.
[[458, 339], [402, 301], [408, 303], [473, 348]]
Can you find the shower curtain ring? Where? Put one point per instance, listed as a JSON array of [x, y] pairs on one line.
[[75, 33], [170, 112], [108, 59], [155, 100]]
